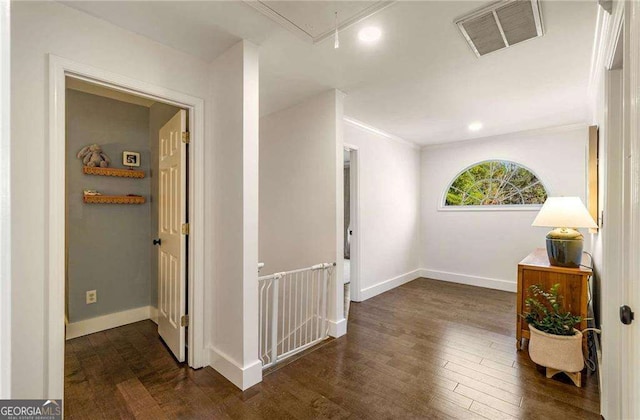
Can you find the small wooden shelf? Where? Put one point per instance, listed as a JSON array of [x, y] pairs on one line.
[[574, 285], [123, 173], [113, 199]]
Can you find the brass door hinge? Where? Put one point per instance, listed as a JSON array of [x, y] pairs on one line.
[[185, 228], [186, 138], [184, 321]]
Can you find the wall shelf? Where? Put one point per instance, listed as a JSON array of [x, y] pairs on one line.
[[113, 199], [123, 173]]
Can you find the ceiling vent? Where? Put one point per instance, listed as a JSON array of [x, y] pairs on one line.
[[501, 25]]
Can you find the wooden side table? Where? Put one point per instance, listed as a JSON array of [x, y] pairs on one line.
[[574, 285]]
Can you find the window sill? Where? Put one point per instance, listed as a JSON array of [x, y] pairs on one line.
[[526, 207]]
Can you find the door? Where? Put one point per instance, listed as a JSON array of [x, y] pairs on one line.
[[172, 251]]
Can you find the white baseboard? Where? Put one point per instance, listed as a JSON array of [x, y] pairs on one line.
[[105, 322], [386, 285], [153, 314], [338, 328], [243, 378], [489, 283]]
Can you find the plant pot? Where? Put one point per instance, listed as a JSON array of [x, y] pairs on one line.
[[560, 352]]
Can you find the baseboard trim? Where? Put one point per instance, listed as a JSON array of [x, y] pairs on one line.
[[153, 314], [387, 285], [485, 282], [243, 378], [106, 322], [337, 328]]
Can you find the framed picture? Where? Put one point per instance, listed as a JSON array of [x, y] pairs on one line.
[[130, 158]]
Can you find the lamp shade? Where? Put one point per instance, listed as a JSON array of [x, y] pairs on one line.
[[567, 212]]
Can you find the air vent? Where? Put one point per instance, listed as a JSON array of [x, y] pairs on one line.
[[501, 25]]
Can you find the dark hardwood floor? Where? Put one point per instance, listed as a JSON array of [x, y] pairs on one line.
[[427, 349]]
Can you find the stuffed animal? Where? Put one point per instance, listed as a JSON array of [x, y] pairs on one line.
[[93, 155]]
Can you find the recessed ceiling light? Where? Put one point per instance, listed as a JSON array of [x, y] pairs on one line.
[[370, 34], [475, 126]]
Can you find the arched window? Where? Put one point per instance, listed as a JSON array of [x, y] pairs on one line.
[[496, 183]]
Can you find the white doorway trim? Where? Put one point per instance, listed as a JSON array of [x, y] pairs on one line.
[[59, 69], [354, 183], [611, 234], [630, 346], [5, 202], [611, 266]]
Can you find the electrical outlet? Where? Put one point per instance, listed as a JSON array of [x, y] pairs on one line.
[[92, 296]]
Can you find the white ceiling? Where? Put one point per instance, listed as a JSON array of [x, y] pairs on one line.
[[421, 82], [204, 29], [315, 21]]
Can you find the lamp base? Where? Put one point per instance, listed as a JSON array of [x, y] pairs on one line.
[[565, 252]]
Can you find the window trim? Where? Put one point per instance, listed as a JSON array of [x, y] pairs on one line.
[[442, 206]]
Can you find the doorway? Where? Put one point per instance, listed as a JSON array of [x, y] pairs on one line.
[[126, 184], [60, 69], [351, 257]]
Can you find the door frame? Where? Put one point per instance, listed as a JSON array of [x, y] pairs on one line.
[[612, 246], [630, 357], [623, 170], [59, 69], [354, 218], [613, 220], [5, 201]]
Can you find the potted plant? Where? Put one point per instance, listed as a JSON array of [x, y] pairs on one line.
[[554, 342]]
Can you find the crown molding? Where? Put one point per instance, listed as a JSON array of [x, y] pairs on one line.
[[371, 129], [524, 133]]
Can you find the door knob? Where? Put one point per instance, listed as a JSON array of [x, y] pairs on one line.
[[157, 241], [626, 315]]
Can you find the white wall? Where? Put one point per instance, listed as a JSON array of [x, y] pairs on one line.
[[297, 187], [233, 337], [40, 28], [389, 183], [608, 121], [300, 202], [484, 247]]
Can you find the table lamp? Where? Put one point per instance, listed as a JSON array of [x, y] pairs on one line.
[[564, 242]]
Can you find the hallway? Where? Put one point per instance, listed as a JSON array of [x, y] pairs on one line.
[[427, 349]]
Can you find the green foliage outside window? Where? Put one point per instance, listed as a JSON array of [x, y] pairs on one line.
[[496, 183]]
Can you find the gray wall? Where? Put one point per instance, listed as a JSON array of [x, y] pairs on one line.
[[159, 115], [107, 244]]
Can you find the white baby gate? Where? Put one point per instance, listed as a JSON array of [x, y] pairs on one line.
[[293, 309]]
